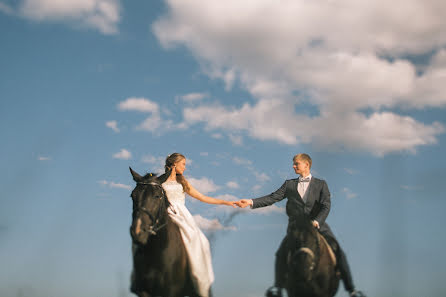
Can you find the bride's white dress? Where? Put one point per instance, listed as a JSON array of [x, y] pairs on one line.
[[196, 243]]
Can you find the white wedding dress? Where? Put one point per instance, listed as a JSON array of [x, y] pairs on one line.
[[196, 243]]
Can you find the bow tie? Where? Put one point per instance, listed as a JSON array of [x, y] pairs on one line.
[[304, 180]]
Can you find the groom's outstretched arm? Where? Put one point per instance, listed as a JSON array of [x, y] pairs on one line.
[[270, 199]]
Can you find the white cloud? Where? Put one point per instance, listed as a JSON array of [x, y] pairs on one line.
[[211, 225], [157, 162], [261, 177], [241, 161], [103, 15], [227, 197], [193, 97], [123, 155], [113, 125], [217, 135], [120, 186], [114, 185], [315, 86], [411, 188], [138, 104], [351, 171], [236, 139], [43, 158], [203, 185], [232, 185], [155, 122], [349, 194]]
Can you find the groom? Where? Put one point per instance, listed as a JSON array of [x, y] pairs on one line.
[[312, 195]]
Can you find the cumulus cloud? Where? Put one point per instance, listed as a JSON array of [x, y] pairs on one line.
[[123, 154], [328, 83], [138, 104], [203, 185], [102, 15], [113, 125], [211, 225], [111, 184], [155, 122]]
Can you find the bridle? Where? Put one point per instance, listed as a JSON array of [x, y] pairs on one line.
[[156, 226], [314, 255]]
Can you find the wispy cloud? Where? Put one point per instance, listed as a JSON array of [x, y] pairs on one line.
[[113, 125], [193, 97], [111, 184], [349, 193], [123, 155], [411, 188], [43, 158], [261, 177], [211, 225], [351, 171], [156, 162], [241, 161], [232, 185]]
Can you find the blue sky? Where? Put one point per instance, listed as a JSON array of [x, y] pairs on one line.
[[89, 88]]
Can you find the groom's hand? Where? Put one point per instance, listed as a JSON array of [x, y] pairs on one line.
[[244, 203]]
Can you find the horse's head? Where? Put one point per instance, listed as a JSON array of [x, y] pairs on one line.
[[304, 244], [149, 207]]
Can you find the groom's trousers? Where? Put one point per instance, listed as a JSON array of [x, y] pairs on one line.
[[342, 264]]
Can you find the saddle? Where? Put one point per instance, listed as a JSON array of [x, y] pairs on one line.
[[329, 248]]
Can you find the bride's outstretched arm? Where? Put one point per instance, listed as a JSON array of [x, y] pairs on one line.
[[197, 195]]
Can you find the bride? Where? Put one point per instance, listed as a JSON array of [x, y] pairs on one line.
[[196, 243]]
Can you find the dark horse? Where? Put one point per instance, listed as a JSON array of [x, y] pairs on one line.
[[311, 264], [160, 265]]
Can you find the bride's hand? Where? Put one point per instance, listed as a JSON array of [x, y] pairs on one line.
[[231, 203]]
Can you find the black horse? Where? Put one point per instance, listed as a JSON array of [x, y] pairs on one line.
[[311, 264], [160, 265]]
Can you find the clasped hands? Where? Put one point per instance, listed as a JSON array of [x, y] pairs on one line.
[[242, 203]]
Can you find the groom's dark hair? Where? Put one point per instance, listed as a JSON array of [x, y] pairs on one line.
[[303, 157]]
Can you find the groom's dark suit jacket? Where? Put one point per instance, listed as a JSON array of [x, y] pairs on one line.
[[317, 204]]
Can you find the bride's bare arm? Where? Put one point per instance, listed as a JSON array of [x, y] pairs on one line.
[[197, 195]]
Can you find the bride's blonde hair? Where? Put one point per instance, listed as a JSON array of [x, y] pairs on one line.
[[170, 162]]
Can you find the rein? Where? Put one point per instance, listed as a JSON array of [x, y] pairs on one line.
[[153, 229]]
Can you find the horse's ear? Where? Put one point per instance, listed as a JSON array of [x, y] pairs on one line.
[[136, 177]]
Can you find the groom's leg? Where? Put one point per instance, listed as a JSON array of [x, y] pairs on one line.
[[342, 264]]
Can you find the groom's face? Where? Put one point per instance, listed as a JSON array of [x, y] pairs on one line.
[[301, 167]]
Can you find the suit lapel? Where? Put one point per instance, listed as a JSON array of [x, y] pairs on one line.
[[295, 185], [309, 190]]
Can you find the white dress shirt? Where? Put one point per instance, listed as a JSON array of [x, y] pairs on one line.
[[303, 186]]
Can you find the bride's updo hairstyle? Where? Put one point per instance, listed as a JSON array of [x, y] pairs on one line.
[[170, 162]]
